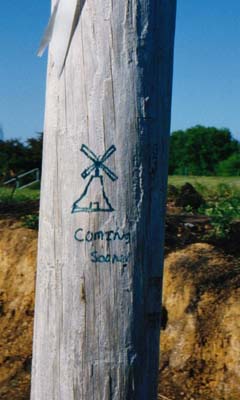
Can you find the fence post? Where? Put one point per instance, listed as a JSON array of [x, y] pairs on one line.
[[105, 163]]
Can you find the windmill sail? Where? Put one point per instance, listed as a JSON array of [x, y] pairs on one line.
[[109, 173], [89, 153], [108, 153]]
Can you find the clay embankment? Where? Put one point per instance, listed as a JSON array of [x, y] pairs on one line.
[[17, 275]]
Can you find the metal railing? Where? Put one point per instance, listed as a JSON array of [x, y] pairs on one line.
[[17, 179]]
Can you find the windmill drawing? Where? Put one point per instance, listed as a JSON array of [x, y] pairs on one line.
[[101, 203]]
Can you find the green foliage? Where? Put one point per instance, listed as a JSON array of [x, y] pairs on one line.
[[34, 151], [225, 191], [222, 213], [199, 150], [189, 209], [12, 157], [230, 166], [222, 202], [17, 157], [223, 207], [31, 221]]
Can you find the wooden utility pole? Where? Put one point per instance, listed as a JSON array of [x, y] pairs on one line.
[[105, 163]]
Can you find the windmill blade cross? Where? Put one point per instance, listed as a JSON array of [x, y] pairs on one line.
[[88, 171], [89, 153], [109, 173], [108, 153]]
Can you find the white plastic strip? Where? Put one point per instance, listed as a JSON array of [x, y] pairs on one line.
[[48, 32], [61, 29]]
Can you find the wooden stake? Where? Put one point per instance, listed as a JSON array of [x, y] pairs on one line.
[[105, 163]]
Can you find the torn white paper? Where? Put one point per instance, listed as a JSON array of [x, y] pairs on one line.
[[48, 32], [61, 29]]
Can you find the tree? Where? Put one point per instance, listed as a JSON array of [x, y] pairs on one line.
[[230, 166], [12, 158], [17, 157], [34, 152], [198, 150], [98, 290]]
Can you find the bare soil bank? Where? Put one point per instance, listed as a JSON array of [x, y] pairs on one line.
[[200, 347], [17, 278]]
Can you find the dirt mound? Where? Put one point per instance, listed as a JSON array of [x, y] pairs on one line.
[[17, 275], [200, 350], [188, 196]]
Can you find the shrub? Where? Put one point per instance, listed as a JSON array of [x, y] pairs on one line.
[[230, 166], [31, 221], [222, 213]]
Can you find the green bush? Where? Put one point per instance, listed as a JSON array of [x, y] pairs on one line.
[[17, 157], [222, 213], [31, 221], [199, 150], [230, 166]]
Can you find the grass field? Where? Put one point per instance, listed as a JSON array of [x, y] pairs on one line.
[[211, 187], [208, 186], [208, 181], [19, 195]]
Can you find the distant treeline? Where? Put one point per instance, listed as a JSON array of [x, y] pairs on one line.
[[17, 157], [195, 151], [204, 151]]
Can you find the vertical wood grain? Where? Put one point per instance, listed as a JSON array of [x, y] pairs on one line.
[[99, 278]]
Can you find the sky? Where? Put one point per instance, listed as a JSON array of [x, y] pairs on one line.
[[206, 84]]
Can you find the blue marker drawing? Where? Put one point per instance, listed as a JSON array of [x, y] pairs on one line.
[[101, 203]]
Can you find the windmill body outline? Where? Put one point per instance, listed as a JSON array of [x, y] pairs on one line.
[[96, 167]]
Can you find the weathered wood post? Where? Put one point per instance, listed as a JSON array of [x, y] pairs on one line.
[[107, 122]]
